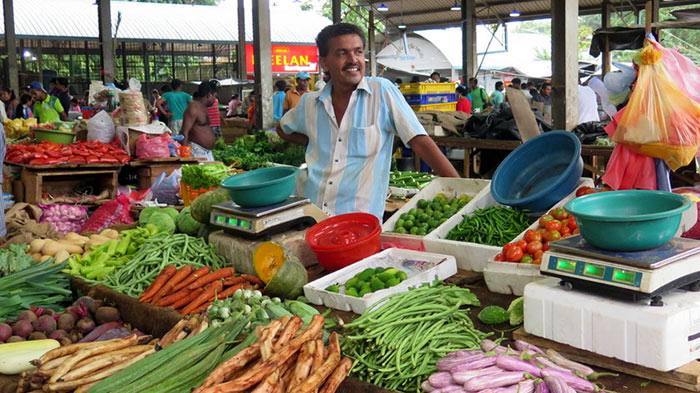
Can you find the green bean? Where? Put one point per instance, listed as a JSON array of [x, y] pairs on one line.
[[495, 226]]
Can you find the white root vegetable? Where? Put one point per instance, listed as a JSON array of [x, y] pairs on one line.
[[110, 233], [61, 256], [36, 245]]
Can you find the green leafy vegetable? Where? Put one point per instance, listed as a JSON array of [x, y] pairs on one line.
[[258, 150], [40, 285], [13, 259], [204, 176]]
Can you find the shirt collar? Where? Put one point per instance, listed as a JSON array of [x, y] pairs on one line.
[[326, 91]]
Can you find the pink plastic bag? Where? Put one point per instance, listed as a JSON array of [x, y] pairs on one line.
[[153, 147], [116, 211], [626, 169]]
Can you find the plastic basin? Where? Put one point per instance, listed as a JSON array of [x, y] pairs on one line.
[[64, 138], [344, 239], [539, 173], [630, 220], [261, 187]]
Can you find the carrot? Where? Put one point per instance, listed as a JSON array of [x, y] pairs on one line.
[[213, 276], [234, 280], [191, 295], [208, 293], [158, 283], [253, 279], [170, 299], [231, 290], [189, 280], [202, 307], [176, 278]]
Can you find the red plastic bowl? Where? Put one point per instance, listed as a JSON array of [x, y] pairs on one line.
[[344, 239]]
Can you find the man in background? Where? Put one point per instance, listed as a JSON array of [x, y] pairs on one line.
[[293, 96], [47, 108], [278, 100], [479, 97], [545, 95], [497, 97], [62, 93], [321, 82], [214, 113], [434, 77], [177, 102], [195, 124]]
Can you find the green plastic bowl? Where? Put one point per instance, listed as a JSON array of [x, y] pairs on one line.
[[630, 220], [64, 138], [261, 187]]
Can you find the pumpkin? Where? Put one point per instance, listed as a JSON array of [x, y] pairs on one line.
[[284, 275]]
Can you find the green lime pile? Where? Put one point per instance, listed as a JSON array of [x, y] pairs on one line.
[[370, 280], [428, 215]]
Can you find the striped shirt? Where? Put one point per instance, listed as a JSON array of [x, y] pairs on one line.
[[214, 114], [349, 163]]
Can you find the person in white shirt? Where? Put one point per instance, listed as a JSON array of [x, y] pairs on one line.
[[321, 82], [587, 105]]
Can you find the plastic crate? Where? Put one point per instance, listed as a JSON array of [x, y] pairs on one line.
[[425, 99], [188, 194], [444, 107], [427, 88]]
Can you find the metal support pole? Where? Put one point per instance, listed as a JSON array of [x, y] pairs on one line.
[[337, 16], [11, 45], [605, 23], [468, 40], [146, 65], [263, 63], [125, 74], [172, 58], [213, 60], [240, 50], [565, 64], [371, 45], [87, 61], [104, 17], [22, 61]]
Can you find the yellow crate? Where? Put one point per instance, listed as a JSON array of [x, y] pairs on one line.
[[427, 88], [442, 107]]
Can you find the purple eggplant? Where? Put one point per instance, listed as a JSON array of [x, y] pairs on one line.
[[462, 377], [450, 389], [427, 387], [524, 346], [447, 364], [111, 334], [544, 362], [527, 386], [484, 362], [576, 367], [441, 379], [461, 353], [572, 380], [541, 387], [505, 378], [510, 363], [488, 345], [558, 385]]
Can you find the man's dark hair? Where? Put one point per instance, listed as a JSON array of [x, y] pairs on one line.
[[235, 96], [175, 84], [398, 81], [24, 98], [499, 84], [473, 80], [280, 85], [463, 90], [336, 30], [435, 73], [415, 79], [165, 88], [205, 88], [62, 81], [545, 85], [516, 82]]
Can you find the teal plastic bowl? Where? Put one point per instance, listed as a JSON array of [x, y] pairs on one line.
[[261, 187], [631, 220]]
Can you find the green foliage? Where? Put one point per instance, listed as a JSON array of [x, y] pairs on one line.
[[258, 150], [163, 222], [186, 224], [13, 259]]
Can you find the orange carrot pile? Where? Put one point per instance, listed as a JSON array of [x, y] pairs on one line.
[[189, 290]]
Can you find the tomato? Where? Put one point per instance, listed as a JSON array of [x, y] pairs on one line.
[[585, 190], [526, 259], [508, 246], [545, 246], [522, 243], [552, 236], [538, 255], [537, 261], [559, 213], [499, 257], [532, 235], [565, 231], [514, 254], [541, 231], [576, 231], [553, 225], [544, 219], [533, 247], [571, 223]]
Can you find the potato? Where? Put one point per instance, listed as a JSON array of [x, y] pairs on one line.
[[37, 256], [36, 245], [44, 258], [50, 248], [61, 256], [75, 237], [70, 247], [110, 233]]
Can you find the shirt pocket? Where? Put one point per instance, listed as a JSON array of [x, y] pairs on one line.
[[363, 141]]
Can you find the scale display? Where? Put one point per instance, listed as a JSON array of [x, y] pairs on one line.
[[598, 272]]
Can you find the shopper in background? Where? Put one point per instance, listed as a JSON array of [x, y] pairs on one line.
[[233, 105], [479, 97], [250, 111], [177, 102], [196, 126], [526, 91], [545, 95], [321, 82], [24, 109], [434, 77], [47, 108], [534, 93], [516, 83], [62, 93], [463, 103], [213, 111], [497, 97], [74, 105], [7, 96], [293, 96], [278, 100]]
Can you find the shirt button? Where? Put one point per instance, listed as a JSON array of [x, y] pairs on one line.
[[330, 182], [325, 204], [337, 160], [340, 139]]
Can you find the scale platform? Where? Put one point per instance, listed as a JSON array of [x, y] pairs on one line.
[[663, 338], [630, 275], [254, 223]]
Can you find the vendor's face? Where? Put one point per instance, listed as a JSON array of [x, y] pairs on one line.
[[346, 60], [38, 95]]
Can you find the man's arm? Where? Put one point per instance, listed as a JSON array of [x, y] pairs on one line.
[[61, 111], [296, 138], [187, 123], [428, 151], [161, 107]]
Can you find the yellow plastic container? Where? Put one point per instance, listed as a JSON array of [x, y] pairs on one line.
[[442, 107], [427, 88]]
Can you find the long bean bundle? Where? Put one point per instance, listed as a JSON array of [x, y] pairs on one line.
[[397, 344], [41, 285], [157, 252], [494, 226]]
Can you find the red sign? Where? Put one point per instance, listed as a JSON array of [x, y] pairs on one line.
[[287, 58]]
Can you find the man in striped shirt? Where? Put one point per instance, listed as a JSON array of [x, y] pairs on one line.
[[349, 127]]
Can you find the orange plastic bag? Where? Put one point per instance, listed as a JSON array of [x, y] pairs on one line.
[[660, 120]]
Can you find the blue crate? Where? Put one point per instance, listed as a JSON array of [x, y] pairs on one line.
[[427, 99]]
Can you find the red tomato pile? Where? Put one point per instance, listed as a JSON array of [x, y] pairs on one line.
[[585, 190], [555, 225], [48, 153]]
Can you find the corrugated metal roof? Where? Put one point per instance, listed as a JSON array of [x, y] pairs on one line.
[[77, 19]]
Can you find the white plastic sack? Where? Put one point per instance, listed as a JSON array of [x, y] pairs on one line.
[[167, 187], [100, 128]]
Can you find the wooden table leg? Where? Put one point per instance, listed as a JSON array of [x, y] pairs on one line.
[[467, 162]]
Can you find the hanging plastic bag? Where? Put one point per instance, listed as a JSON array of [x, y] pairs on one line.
[[100, 128], [153, 147], [116, 211], [167, 187], [660, 120]]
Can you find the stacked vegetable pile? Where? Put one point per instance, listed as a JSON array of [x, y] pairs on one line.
[[64, 218], [49, 153], [369, 280], [493, 226], [190, 290], [13, 259], [40, 285], [259, 150], [204, 176], [428, 215], [417, 180], [161, 218], [397, 343], [523, 369], [555, 225]]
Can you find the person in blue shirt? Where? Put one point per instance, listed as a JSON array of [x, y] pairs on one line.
[[497, 97], [349, 126], [278, 100]]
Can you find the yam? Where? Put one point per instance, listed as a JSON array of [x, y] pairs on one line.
[[61, 256], [110, 234], [72, 236], [37, 256], [50, 248], [70, 247], [36, 245]]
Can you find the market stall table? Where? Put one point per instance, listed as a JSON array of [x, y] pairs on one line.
[[149, 170]]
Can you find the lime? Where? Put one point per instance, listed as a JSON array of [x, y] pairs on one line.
[[401, 230], [408, 224], [414, 230], [351, 292], [400, 223], [422, 203]]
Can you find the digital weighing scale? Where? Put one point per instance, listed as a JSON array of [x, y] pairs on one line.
[[628, 275], [253, 223]]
